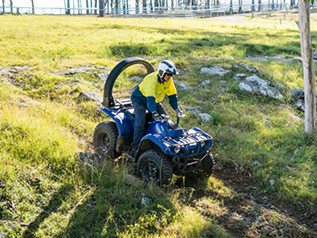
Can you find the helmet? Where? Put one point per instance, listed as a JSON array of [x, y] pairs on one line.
[[166, 66]]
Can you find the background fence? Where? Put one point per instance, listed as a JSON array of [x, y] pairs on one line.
[[187, 11]]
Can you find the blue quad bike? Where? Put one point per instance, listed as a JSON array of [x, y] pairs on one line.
[[165, 148]]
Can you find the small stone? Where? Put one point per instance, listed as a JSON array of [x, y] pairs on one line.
[[300, 105], [145, 202], [204, 117], [266, 230], [90, 96], [204, 83], [183, 86], [239, 76], [280, 86], [257, 163], [138, 78], [272, 181], [214, 71], [132, 180]]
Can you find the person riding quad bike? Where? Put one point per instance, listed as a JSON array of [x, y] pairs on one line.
[[149, 95], [164, 148]]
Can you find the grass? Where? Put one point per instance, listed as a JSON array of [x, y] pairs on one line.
[[46, 191]]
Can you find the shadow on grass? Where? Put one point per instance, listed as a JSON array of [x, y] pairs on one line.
[[55, 202]]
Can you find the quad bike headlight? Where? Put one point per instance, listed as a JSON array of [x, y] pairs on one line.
[[176, 150]]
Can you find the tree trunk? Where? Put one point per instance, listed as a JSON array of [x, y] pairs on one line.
[[11, 6], [292, 3], [308, 66], [3, 8], [87, 7], [136, 6], [101, 8], [32, 2], [253, 6], [259, 5]]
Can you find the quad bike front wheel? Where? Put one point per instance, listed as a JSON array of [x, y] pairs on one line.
[[155, 168], [105, 139], [207, 165]]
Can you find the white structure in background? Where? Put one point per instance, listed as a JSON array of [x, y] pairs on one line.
[[130, 7]]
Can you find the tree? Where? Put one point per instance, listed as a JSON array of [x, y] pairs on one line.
[[67, 5], [259, 5], [3, 8], [11, 6], [32, 2], [308, 66]]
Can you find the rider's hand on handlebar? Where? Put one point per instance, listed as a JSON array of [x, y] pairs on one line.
[[156, 116]]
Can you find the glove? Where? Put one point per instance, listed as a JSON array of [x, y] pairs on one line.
[[179, 112], [156, 116]]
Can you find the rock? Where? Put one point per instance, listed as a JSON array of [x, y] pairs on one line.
[[10, 72], [90, 96], [296, 118], [192, 110], [244, 66], [253, 84], [300, 105], [204, 117], [257, 163], [214, 71], [2, 235], [204, 83], [239, 76], [272, 182], [266, 230], [282, 105], [183, 86], [132, 180], [138, 78], [298, 94], [280, 86], [103, 76], [145, 202]]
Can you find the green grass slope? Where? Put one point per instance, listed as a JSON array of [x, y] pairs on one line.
[[47, 191]]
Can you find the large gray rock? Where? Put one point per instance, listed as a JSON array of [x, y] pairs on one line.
[[90, 96], [217, 71], [298, 94], [253, 84]]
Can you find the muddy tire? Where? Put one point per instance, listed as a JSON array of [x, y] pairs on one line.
[[207, 165], [155, 168], [105, 139]]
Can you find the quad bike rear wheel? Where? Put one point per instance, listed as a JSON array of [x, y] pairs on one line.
[[105, 139], [154, 167]]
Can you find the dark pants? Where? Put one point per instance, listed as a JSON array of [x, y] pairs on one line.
[[139, 124]]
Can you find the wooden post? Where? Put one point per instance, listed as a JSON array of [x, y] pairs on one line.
[[308, 66]]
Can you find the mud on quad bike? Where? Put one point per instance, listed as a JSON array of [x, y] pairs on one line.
[[165, 148]]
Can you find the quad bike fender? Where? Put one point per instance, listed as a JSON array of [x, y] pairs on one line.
[[124, 123], [151, 142]]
